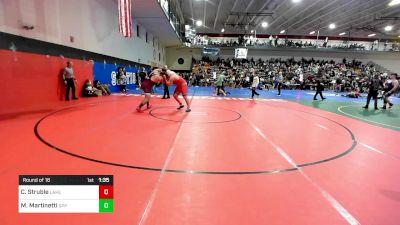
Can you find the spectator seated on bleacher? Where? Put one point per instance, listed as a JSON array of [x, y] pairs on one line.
[[89, 90], [104, 88]]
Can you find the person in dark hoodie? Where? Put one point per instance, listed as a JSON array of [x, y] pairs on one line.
[[319, 88], [374, 85]]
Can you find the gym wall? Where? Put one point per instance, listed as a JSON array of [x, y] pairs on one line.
[[33, 81], [90, 25], [31, 59], [174, 54], [31, 71]]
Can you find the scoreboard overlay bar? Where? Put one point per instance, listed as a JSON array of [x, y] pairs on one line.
[[66, 194]]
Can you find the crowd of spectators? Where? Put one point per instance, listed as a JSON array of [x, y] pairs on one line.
[[97, 89], [276, 42], [350, 76]]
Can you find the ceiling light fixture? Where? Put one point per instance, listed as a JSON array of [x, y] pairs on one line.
[[252, 31], [264, 24], [341, 34], [282, 31], [394, 2], [296, 1], [332, 26], [312, 32], [388, 28], [371, 35], [199, 23], [187, 26], [222, 30]]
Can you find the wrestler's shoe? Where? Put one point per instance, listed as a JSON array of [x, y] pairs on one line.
[[139, 110], [180, 106], [188, 110]]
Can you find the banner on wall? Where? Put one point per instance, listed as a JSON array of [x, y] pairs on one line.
[[125, 17], [107, 74]]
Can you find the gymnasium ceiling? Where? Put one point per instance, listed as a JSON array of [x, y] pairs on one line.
[[361, 17]]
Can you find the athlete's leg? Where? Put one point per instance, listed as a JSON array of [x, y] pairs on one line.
[[145, 101], [177, 99], [389, 102], [148, 101], [385, 101], [187, 103]]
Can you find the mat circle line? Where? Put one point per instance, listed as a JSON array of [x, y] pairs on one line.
[[271, 171], [238, 115], [367, 120]]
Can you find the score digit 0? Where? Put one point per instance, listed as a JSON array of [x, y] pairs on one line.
[[106, 192]]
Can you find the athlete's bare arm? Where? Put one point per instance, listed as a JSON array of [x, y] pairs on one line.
[[156, 78], [167, 80], [395, 86], [169, 77]]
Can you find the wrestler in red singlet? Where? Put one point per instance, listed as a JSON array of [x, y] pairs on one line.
[[181, 86]]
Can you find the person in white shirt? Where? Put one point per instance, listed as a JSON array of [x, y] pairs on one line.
[[278, 81], [70, 81], [254, 85]]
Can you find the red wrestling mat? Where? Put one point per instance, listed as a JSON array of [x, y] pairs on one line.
[[226, 162]]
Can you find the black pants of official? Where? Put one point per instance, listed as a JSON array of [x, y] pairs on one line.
[[70, 85], [374, 95], [122, 87], [279, 88], [166, 91], [219, 90], [320, 94], [254, 92]]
